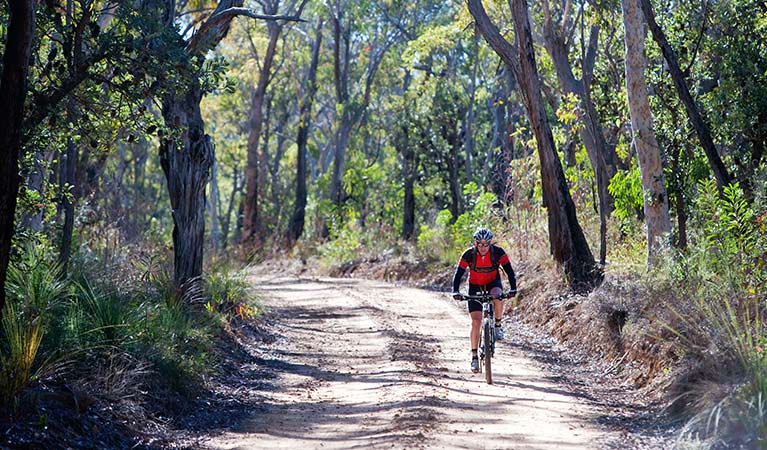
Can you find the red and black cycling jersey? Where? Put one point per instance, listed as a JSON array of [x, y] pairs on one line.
[[483, 270]]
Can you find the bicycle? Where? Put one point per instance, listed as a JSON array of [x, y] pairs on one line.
[[486, 331]]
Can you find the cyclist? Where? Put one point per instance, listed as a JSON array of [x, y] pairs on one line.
[[483, 260]]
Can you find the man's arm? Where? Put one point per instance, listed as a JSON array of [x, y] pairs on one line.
[[512, 279], [457, 276], [460, 269], [506, 265]]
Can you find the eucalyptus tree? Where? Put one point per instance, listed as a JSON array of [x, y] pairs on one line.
[[186, 151], [78, 53], [568, 244], [731, 76], [558, 38], [430, 130], [360, 40], [256, 164], [422, 25], [20, 34], [648, 153], [701, 127], [298, 217]]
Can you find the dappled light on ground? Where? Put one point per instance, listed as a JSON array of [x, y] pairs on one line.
[[366, 365]]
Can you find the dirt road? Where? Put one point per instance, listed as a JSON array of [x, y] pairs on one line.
[[361, 364]]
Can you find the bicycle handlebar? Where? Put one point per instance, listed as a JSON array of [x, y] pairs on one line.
[[482, 298]]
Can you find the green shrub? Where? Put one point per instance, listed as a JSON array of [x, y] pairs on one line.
[[34, 292], [626, 189], [228, 293], [448, 239], [719, 313], [438, 239], [22, 339], [179, 343], [106, 314], [351, 239]]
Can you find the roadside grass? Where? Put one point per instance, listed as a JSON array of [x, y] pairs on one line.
[[130, 342], [34, 297], [716, 310]]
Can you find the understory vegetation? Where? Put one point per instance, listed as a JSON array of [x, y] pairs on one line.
[[119, 335]]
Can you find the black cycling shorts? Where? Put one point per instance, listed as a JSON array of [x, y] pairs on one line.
[[474, 289]]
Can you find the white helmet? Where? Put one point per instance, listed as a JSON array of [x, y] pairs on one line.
[[483, 234]]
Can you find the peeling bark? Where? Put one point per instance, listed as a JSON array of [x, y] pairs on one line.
[[648, 152]]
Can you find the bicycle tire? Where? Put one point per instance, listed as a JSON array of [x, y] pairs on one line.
[[488, 345]]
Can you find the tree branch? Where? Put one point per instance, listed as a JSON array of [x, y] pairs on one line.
[[218, 24], [493, 36]]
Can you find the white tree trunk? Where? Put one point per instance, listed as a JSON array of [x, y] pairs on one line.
[[648, 152]]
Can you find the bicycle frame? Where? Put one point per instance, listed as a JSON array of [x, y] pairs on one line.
[[486, 331]]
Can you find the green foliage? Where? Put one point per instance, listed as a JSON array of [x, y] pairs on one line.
[[347, 245], [731, 234], [34, 297], [178, 345], [21, 339], [720, 282], [107, 315], [229, 293], [448, 240], [434, 40], [626, 189], [479, 213], [437, 240], [570, 110]]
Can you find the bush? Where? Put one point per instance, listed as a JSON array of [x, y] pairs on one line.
[[626, 189], [33, 292], [719, 313], [450, 240], [228, 293], [106, 313]]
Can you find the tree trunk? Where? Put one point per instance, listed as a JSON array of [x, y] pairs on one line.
[[568, 244], [19, 33], [68, 197], [186, 161], [215, 230], [339, 158], [677, 188], [648, 152], [468, 124], [251, 225], [352, 106], [298, 218], [409, 167], [237, 187], [591, 132], [701, 127], [35, 182], [449, 130], [68, 169], [504, 130], [609, 157], [408, 218]]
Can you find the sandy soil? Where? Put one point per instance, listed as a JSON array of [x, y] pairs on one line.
[[362, 364]]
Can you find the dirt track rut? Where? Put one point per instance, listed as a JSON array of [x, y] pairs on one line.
[[369, 365]]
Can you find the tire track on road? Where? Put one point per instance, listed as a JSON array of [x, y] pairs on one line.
[[364, 364]]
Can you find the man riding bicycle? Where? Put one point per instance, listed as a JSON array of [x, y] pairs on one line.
[[483, 260]]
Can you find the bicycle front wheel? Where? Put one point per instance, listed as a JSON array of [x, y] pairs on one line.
[[488, 345]]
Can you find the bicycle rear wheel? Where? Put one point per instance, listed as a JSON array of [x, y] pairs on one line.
[[488, 354]]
